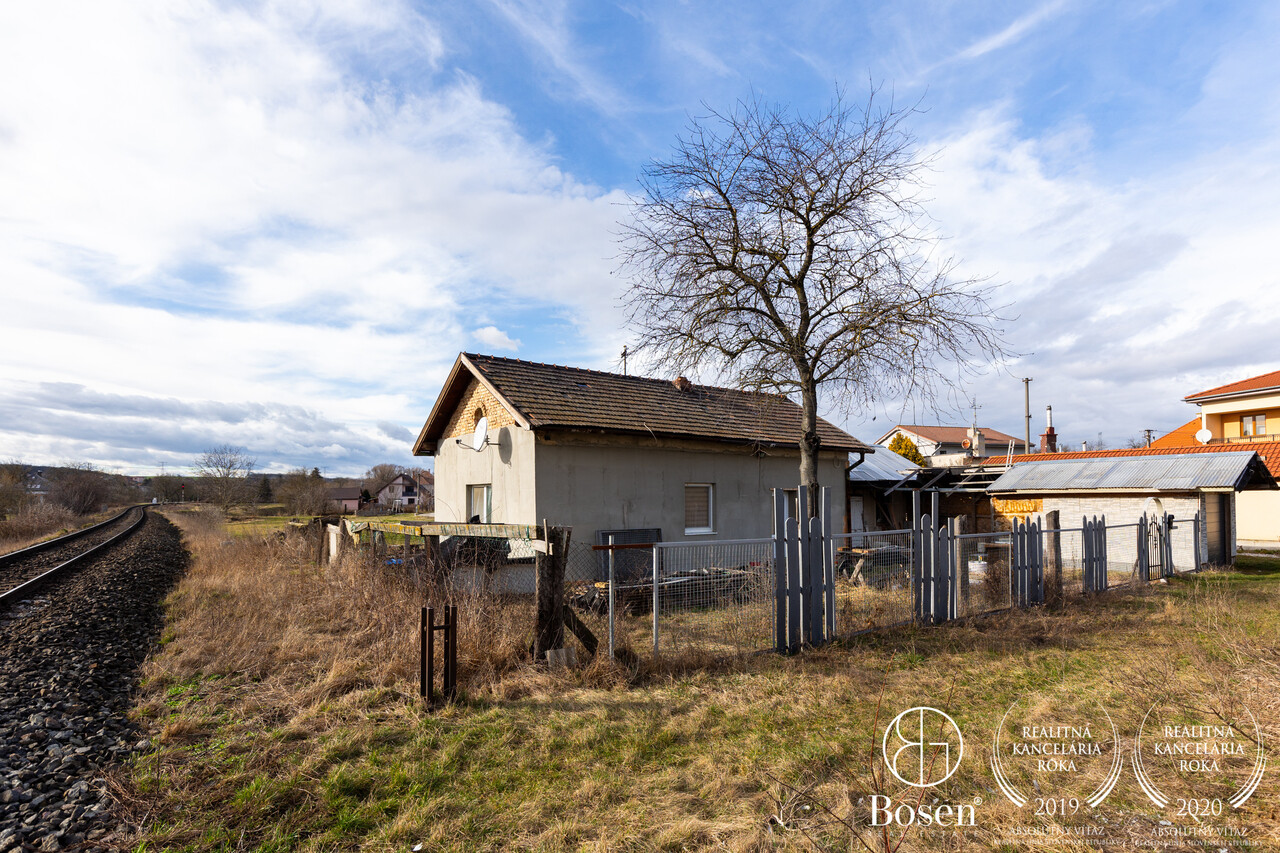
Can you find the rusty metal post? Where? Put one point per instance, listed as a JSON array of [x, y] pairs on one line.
[[451, 689], [431, 653]]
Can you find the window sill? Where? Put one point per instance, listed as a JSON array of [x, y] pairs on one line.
[[699, 531]]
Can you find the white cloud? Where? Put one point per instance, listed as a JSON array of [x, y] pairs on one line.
[[1128, 296], [212, 202], [492, 336]]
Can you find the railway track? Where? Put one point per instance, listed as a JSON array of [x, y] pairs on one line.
[[70, 653], [23, 572]]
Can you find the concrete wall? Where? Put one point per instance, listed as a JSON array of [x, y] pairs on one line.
[[507, 464], [1258, 515], [1127, 509], [641, 484]]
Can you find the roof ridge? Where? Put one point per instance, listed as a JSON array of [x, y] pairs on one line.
[[1224, 388], [628, 376]]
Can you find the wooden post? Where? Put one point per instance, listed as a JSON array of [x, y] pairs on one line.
[[549, 592], [1053, 581]]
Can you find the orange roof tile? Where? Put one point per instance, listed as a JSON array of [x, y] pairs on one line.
[[1268, 451], [1183, 436], [1264, 382]]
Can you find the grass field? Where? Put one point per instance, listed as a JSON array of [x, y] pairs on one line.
[[251, 522], [298, 728]]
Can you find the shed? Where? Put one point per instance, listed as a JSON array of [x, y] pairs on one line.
[[1123, 488]]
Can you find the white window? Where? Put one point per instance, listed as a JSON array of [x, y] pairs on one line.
[[1253, 425], [699, 508], [480, 504]]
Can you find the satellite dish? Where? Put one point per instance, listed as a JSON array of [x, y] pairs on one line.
[[967, 443], [481, 438], [1203, 435]]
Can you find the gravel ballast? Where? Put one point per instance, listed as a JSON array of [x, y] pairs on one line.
[[69, 661]]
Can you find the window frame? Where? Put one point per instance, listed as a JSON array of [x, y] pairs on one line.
[[487, 516], [711, 510], [1254, 425]]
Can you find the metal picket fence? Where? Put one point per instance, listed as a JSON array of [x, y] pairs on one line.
[[730, 598]]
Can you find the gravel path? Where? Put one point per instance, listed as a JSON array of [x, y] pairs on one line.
[[68, 662]]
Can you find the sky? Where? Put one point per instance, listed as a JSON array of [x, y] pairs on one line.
[[275, 225]]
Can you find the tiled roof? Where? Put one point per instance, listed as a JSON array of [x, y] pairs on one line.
[[1268, 451], [345, 494], [1264, 382], [551, 397], [1183, 436], [953, 434]]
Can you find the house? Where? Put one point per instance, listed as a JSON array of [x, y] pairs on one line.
[[949, 445], [1243, 414], [346, 499], [646, 459], [1125, 484], [405, 492]]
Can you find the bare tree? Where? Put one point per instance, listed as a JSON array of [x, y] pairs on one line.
[[790, 253], [13, 487], [303, 494], [225, 470], [377, 477], [80, 487]]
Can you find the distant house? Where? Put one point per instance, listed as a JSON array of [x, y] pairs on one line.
[[405, 492], [1243, 414], [606, 453], [951, 445], [346, 499]]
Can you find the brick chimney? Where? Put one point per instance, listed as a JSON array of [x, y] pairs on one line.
[[1048, 438], [682, 384]]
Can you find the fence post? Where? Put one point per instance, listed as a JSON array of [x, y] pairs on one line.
[[425, 648], [1144, 563], [549, 592], [1167, 570], [828, 567], [779, 570], [611, 596], [1037, 562], [656, 574], [1104, 577], [1086, 542], [795, 589], [924, 541]]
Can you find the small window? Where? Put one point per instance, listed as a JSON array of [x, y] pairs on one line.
[[1251, 425], [699, 508], [480, 504], [475, 418]]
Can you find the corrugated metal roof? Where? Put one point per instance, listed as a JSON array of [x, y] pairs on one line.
[[1159, 473], [883, 466]]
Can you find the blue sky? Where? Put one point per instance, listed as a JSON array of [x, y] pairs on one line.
[[276, 224]]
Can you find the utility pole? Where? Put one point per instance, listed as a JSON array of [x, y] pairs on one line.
[[624, 359], [1026, 402], [1147, 433]]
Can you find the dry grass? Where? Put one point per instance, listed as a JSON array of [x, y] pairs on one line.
[[38, 522], [284, 708]]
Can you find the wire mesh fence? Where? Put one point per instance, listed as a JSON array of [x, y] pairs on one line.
[[872, 580], [716, 598], [983, 573], [1122, 555]]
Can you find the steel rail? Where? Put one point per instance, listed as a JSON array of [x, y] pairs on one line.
[[15, 556], [26, 588]]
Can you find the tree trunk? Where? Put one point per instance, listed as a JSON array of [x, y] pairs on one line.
[[809, 441]]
